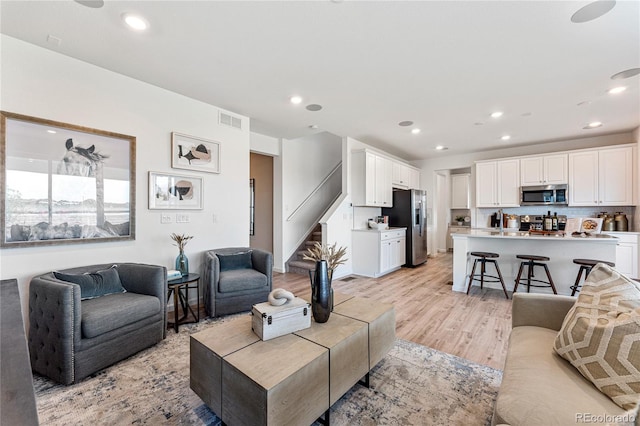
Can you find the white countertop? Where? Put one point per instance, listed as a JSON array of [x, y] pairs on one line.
[[523, 235], [391, 228]]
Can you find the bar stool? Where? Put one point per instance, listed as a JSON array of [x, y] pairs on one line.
[[484, 258], [585, 266], [531, 261]]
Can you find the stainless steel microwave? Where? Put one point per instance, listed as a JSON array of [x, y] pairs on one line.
[[544, 195]]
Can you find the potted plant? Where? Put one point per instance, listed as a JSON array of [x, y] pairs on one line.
[[460, 220]]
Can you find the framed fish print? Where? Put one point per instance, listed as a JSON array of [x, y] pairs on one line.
[[174, 192], [195, 154], [63, 183]]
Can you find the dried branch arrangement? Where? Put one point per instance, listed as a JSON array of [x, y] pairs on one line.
[[181, 240], [333, 255]]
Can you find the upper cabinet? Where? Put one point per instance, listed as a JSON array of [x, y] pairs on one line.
[[405, 176], [414, 178], [371, 179], [544, 170], [498, 183], [602, 177], [460, 191], [400, 175]]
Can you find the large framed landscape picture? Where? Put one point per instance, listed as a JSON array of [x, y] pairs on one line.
[[63, 183]]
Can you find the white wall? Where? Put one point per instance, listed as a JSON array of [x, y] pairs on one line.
[[303, 164], [263, 144], [636, 221], [42, 83]]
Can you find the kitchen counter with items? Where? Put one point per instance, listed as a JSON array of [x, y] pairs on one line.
[[516, 234], [391, 228], [507, 244]]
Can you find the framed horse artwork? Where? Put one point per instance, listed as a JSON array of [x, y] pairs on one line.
[[63, 183]]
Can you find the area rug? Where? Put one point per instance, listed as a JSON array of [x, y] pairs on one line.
[[412, 385]]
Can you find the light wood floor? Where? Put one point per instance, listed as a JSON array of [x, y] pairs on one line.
[[475, 327]]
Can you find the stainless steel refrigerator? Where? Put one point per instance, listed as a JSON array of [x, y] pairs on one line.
[[410, 211]]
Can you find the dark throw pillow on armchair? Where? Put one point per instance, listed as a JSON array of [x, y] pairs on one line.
[[95, 284], [240, 260]]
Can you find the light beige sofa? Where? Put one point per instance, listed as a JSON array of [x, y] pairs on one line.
[[538, 386]]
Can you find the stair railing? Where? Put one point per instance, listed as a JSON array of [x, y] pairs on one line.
[[318, 190]]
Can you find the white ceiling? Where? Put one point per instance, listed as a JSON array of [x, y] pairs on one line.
[[444, 65]]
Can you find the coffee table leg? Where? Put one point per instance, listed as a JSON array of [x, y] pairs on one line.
[[365, 381], [326, 421]]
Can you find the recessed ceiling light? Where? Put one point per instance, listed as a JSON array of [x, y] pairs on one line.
[[295, 99], [583, 103], [94, 4], [526, 114], [51, 131], [441, 148], [478, 123], [135, 22], [505, 137], [631, 72], [313, 126], [496, 114], [592, 11], [314, 107], [405, 123], [617, 90], [415, 131], [593, 125]]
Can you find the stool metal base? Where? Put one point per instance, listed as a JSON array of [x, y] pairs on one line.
[[494, 279], [530, 264]]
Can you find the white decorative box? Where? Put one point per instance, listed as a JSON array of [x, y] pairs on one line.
[[270, 321]]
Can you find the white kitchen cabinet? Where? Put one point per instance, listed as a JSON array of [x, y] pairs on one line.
[[371, 179], [601, 177], [414, 178], [376, 253], [460, 191], [627, 253], [404, 176], [455, 230], [544, 170], [400, 175], [498, 183]]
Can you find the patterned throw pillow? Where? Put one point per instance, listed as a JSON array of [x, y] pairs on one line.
[[600, 335]]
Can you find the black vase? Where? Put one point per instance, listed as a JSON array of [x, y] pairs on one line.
[[321, 299]]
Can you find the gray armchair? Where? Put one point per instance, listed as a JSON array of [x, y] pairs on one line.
[[71, 338], [235, 278]]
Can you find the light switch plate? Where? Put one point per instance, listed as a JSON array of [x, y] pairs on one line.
[[182, 218], [165, 218]]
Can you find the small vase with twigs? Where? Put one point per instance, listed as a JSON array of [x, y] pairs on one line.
[[327, 259], [182, 262]]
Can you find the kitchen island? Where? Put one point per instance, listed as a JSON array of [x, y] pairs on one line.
[[561, 249]]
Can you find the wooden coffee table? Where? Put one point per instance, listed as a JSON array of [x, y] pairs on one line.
[[292, 379]]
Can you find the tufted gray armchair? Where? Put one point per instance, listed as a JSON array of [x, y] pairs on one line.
[[70, 338], [235, 278]]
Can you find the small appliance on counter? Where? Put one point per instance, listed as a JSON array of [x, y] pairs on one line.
[[379, 223], [534, 222]]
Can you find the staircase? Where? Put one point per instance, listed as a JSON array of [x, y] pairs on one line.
[[296, 264]]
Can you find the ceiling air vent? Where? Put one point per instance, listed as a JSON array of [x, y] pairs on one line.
[[230, 120]]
